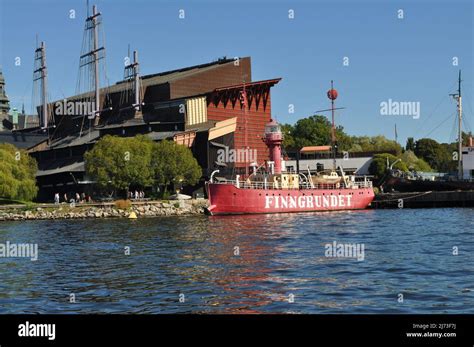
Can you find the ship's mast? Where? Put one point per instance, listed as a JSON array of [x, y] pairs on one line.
[[458, 98], [132, 72], [243, 101], [137, 80], [92, 57], [332, 95], [333, 131], [96, 58], [40, 73]]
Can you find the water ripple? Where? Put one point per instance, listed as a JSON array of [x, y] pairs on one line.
[[245, 264]]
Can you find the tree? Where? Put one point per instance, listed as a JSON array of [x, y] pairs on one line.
[[120, 162], [316, 131], [415, 163], [174, 164], [410, 146], [288, 139], [313, 131], [436, 155], [374, 144], [465, 138], [17, 174], [378, 166]]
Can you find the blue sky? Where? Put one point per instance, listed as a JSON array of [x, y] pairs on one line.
[[409, 59]]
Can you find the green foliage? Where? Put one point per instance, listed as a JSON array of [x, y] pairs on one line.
[[312, 131], [174, 164], [316, 131], [415, 163], [465, 137], [288, 139], [119, 162], [378, 166], [407, 161], [438, 156], [410, 144], [17, 174], [373, 144]]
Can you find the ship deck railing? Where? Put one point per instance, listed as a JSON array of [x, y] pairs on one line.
[[271, 185]]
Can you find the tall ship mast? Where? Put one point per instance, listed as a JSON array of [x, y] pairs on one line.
[[41, 75], [270, 189], [92, 53], [457, 96]]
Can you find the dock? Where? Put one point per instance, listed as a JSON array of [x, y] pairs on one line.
[[428, 199]]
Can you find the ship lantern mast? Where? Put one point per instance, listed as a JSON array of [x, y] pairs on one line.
[[457, 96], [332, 95]]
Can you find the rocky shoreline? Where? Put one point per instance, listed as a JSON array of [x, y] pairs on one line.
[[65, 211]]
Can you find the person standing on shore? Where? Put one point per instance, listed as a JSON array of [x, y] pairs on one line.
[[56, 199], [65, 197]]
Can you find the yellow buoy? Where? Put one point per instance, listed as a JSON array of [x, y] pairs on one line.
[[132, 215]]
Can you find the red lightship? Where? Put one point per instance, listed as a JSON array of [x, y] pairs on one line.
[[269, 190]]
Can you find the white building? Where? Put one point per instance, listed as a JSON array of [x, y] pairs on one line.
[[468, 162]]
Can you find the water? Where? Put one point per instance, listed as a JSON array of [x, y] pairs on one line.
[[408, 252]]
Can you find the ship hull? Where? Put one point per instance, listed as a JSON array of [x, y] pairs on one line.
[[409, 186], [228, 199]]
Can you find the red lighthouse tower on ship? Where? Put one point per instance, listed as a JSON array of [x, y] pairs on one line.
[[273, 139]]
